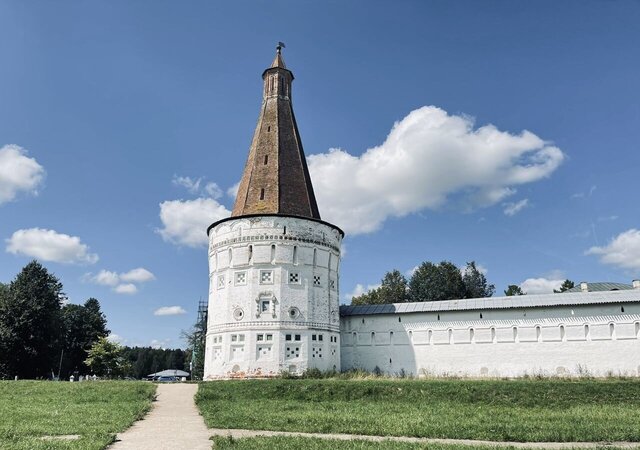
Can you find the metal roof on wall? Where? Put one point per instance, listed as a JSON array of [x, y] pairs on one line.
[[517, 301], [602, 286]]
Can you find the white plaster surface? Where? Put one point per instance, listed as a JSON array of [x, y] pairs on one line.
[[272, 278], [577, 340]]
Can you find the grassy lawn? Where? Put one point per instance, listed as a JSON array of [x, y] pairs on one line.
[[517, 410], [297, 443], [94, 410]]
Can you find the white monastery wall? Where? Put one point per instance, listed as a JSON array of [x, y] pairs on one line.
[[273, 297], [598, 340]]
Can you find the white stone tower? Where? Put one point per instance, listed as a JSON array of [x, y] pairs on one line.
[[274, 264]]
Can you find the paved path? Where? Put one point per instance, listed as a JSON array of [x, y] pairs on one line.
[[173, 423], [239, 434]]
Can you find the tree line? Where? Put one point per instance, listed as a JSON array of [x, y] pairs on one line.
[[514, 289], [434, 282], [43, 336], [429, 282]]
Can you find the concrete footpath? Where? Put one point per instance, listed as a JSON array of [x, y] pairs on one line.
[[172, 423]]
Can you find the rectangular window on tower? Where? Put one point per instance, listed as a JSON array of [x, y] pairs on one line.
[[294, 278], [241, 278], [266, 277]]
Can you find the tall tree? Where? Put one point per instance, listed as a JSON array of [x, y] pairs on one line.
[[30, 328], [475, 283], [514, 289], [370, 297], [393, 289], [195, 338], [82, 325], [106, 359], [5, 335], [441, 281], [566, 285]]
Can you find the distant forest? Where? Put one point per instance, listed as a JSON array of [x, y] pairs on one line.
[[146, 360]]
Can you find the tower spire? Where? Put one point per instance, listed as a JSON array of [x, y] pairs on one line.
[[276, 178], [278, 61]]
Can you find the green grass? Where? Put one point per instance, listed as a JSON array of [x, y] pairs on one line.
[[500, 410], [94, 410], [297, 443]]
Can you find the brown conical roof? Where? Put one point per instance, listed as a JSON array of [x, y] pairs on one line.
[[276, 178]]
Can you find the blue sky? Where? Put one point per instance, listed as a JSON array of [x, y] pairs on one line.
[[110, 113]]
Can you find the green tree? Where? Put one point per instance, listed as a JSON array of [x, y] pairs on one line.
[[393, 289], [106, 359], [514, 289], [566, 285], [82, 326], [368, 298], [475, 283], [441, 281], [194, 356], [30, 328]]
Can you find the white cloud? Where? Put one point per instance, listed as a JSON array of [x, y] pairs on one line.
[[212, 190], [160, 343], [122, 283], [18, 173], [409, 273], [185, 222], [233, 190], [189, 183], [511, 209], [588, 194], [49, 245], [359, 290], [169, 311], [127, 288], [623, 251], [115, 338], [428, 157], [139, 275], [541, 285], [106, 278], [198, 186]]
